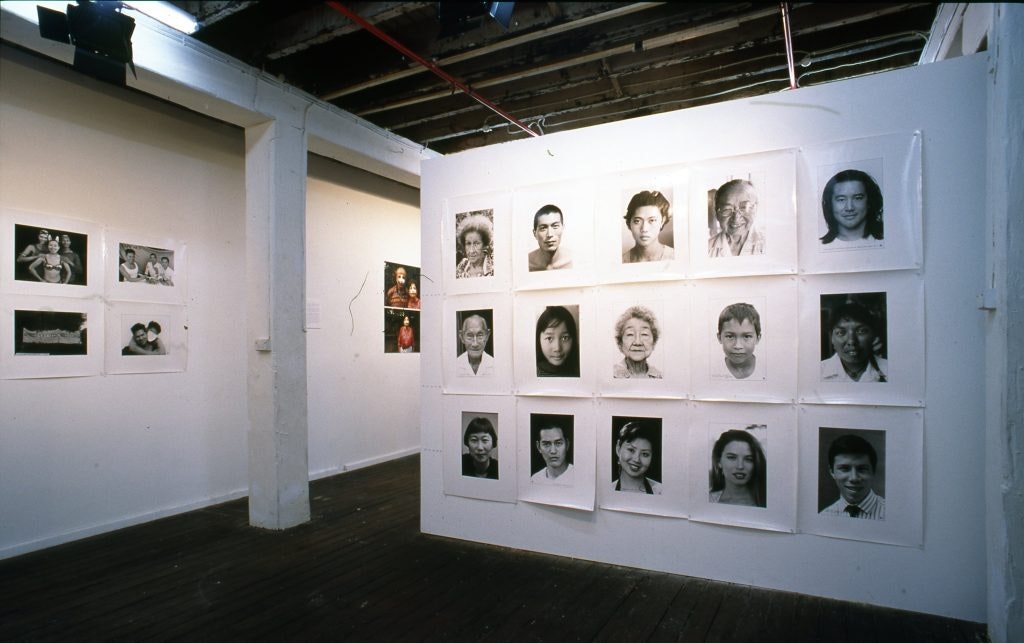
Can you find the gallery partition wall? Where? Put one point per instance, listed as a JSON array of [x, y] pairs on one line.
[[738, 342]]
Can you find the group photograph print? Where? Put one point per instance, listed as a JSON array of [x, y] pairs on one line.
[[862, 473], [401, 286], [48, 255], [556, 452], [870, 338], [641, 462], [742, 219], [479, 447], [475, 244], [477, 345], [744, 465], [145, 338], [50, 337], [144, 267], [860, 204]]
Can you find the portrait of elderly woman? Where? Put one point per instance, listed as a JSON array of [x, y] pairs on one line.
[[475, 235], [851, 204], [732, 230], [853, 334], [636, 334], [647, 214], [636, 455], [738, 471], [557, 343], [480, 440]]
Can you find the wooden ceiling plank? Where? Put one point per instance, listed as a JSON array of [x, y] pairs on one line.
[[322, 24]]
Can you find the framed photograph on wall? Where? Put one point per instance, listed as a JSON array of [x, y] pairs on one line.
[[554, 346], [475, 243], [641, 225], [145, 338], [556, 451], [640, 445], [745, 339], [862, 473], [477, 431], [477, 345], [47, 255], [860, 204], [742, 217], [743, 464], [140, 267], [553, 236], [862, 339], [642, 341], [50, 337]]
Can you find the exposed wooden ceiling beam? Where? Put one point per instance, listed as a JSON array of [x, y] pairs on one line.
[[321, 24]]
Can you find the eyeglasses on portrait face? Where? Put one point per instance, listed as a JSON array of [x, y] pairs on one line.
[[477, 336], [743, 207]]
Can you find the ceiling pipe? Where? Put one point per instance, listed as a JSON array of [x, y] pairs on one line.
[[448, 78], [788, 35]]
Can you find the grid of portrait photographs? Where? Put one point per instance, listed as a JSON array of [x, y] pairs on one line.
[[663, 327], [69, 287], [401, 308]]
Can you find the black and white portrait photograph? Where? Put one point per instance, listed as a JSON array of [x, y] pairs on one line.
[[401, 331], [475, 243], [143, 267], [861, 472], [145, 337], [870, 330], [860, 204], [851, 479], [47, 255], [747, 346], [643, 340], [476, 344], [44, 336], [557, 451], [474, 234], [745, 465], [553, 233], [636, 455], [476, 347], [50, 256], [742, 215], [853, 338], [648, 230], [401, 286], [479, 447], [557, 342], [642, 456]]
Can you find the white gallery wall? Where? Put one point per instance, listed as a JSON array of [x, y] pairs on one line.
[[84, 455], [946, 575], [364, 405]]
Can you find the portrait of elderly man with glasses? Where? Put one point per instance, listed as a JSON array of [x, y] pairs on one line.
[[474, 334], [735, 209]]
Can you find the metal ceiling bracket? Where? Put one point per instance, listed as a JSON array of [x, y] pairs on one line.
[[788, 35], [448, 78]]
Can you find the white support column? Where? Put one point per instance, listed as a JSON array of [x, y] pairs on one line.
[[275, 186]]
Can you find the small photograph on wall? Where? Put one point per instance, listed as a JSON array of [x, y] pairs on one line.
[[552, 343], [476, 244], [401, 331], [402, 286], [860, 204], [642, 338], [46, 255], [50, 337], [870, 332], [477, 430], [744, 465], [747, 339], [556, 452], [641, 456], [861, 473], [145, 268], [477, 355], [744, 206], [553, 236], [145, 338]]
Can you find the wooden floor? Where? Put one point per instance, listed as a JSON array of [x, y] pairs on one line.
[[361, 571]]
